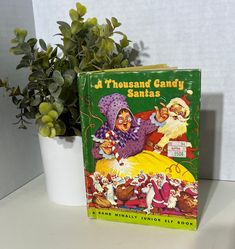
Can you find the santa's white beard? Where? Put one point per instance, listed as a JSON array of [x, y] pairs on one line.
[[171, 130]]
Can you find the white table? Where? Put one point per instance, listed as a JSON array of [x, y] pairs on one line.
[[29, 221]]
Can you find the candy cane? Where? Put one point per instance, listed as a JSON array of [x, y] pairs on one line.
[[114, 149]]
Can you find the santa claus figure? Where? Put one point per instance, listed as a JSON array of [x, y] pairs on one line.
[[173, 119], [93, 185], [109, 191], [142, 179], [175, 183], [161, 189], [192, 189]]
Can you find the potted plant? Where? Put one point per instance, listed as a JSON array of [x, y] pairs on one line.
[[50, 97]]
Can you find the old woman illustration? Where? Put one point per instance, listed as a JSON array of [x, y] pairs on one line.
[[119, 142]]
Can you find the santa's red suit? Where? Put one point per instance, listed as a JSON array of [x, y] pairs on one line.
[[162, 194], [92, 186], [192, 189], [153, 139]]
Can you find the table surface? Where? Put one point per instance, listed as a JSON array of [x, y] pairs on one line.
[[28, 220]]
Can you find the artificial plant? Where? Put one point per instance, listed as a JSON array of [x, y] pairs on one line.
[[50, 96]]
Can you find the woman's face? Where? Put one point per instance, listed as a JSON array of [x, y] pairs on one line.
[[123, 121]]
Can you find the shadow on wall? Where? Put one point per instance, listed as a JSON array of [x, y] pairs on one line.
[[211, 135], [210, 148]]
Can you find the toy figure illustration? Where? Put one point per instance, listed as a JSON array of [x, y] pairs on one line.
[[119, 144]]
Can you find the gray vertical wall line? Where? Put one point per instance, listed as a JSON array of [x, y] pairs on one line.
[[20, 159]]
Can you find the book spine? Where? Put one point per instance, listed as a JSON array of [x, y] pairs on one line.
[[83, 90], [83, 96]]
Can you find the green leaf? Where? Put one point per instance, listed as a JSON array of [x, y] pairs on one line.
[[65, 31], [53, 114], [22, 126], [115, 22], [3, 83], [77, 69], [44, 130], [83, 64], [54, 89], [32, 42], [52, 132], [65, 24], [119, 32], [26, 48], [15, 41], [76, 27], [43, 44], [29, 115], [24, 103], [15, 91], [15, 100], [81, 9], [37, 75], [107, 30], [107, 46], [49, 51], [60, 128], [73, 15], [46, 119], [16, 51], [69, 76], [54, 53], [57, 77], [77, 131], [125, 63], [20, 34], [108, 22], [59, 107], [73, 61], [92, 21], [45, 107], [36, 101], [124, 42], [64, 94], [68, 44], [23, 63], [74, 112]]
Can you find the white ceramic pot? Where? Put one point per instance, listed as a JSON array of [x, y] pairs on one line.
[[63, 166]]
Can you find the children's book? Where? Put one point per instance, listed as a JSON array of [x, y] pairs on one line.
[[140, 129]]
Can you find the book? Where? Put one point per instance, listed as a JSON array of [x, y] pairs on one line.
[[140, 130]]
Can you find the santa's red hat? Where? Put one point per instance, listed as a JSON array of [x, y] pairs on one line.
[[183, 101]]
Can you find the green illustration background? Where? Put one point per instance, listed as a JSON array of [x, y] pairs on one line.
[[92, 119]]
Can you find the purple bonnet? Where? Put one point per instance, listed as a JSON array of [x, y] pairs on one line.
[[110, 106]]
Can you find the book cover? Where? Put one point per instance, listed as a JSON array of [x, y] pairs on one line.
[[140, 130]]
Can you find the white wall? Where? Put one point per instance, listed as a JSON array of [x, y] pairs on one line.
[[20, 159], [187, 34]]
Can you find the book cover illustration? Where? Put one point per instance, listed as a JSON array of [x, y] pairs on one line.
[[141, 145]]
